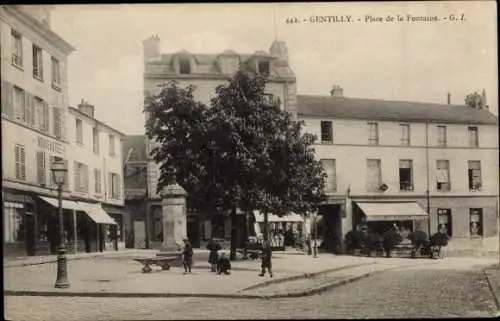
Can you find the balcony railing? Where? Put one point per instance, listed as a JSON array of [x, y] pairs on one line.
[[406, 186]]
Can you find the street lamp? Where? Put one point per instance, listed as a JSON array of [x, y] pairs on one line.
[[315, 244], [59, 171]]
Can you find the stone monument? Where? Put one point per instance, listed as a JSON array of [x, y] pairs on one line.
[[174, 221]]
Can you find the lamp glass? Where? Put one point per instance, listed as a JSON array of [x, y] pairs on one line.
[[59, 172]]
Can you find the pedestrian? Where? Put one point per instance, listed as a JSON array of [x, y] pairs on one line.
[[187, 256], [213, 246], [266, 259], [223, 264]]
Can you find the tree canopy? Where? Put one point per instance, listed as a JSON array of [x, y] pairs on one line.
[[241, 151]]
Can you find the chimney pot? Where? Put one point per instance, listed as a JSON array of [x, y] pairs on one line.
[[449, 98], [337, 91]]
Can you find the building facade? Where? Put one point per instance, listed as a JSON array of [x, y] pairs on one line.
[[206, 72], [34, 99], [442, 157], [96, 177], [38, 128]]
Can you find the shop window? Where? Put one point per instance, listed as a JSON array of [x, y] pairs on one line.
[[476, 221], [444, 221], [13, 222]]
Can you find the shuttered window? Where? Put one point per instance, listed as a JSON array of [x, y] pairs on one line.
[[30, 109], [81, 177], [41, 168], [57, 122], [20, 161], [97, 181], [19, 104], [374, 175], [7, 99]]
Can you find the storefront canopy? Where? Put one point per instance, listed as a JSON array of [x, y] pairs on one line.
[[96, 213], [392, 211], [259, 217], [69, 205]]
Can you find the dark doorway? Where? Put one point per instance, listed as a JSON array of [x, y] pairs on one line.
[[29, 227], [331, 228], [193, 230]]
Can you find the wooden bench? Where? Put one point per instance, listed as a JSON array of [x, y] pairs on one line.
[[158, 260]]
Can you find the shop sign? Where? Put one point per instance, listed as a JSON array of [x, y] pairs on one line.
[[50, 145]]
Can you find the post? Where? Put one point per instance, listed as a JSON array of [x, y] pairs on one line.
[[147, 208], [62, 271], [245, 254], [315, 244], [234, 235], [427, 175], [266, 227], [75, 236]]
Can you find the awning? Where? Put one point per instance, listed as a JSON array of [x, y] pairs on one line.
[[69, 205], [115, 210], [392, 211], [259, 217], [96, 213]]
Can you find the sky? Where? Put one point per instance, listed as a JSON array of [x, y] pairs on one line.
[[391, 60]]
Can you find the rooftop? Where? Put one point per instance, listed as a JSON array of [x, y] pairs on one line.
[[79, 112], [375, 109]]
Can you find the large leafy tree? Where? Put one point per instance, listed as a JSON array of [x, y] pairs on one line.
[[242, 151]]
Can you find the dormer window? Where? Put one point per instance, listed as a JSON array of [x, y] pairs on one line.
[[263, 67], [184, 66]]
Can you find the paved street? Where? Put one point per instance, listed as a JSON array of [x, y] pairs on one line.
[[404, 293]]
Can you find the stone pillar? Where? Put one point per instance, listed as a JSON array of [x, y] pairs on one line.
[[173, 218]]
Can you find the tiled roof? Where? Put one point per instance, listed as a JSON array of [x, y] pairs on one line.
[[374, 109]]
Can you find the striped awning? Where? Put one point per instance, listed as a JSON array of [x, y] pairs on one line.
[[69, 205], [292, 217], [96, 213]]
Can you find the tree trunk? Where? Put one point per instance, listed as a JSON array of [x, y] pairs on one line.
[[266, 227], [234, 236], [245, 237]]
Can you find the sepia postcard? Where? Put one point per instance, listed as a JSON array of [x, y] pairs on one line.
[[288, 160]]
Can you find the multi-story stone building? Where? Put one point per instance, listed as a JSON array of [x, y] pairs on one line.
[[387, 155], [206, 72], [34, 99], [38, 128], [96, 180]]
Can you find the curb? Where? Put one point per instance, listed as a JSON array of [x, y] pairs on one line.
[[490, 287], [302, 276]]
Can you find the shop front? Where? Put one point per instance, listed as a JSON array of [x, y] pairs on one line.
[[284, 231], [382, 216]]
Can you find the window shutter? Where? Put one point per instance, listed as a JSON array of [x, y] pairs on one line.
[[117, 186], [46, 116], [76, 176], [23, 163], [7, 99], [18, 161], [40, 160], [57, 122], [110, 185], [29, 112]]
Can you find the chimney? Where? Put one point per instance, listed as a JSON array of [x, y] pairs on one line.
[[86, 108], [279, 50], [449, 98], [151, 48], [482, 104], [337, 91]]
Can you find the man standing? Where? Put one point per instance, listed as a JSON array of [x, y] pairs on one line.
[[266, 259], [187, 256]]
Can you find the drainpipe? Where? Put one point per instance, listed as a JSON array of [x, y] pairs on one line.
[[427, 174], [146, 168]]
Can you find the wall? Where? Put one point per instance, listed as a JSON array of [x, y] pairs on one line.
[[84, 153], [351, 135]]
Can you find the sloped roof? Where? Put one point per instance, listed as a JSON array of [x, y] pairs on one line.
[[374, 109]]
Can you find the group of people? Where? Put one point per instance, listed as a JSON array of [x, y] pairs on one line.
[[220, 264]]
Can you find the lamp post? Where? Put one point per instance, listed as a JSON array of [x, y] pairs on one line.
[[59, 171], [315, 244]]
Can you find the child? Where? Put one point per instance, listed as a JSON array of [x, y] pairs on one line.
[[213, 247], [223, 264], [187, 256], [266, 259]]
